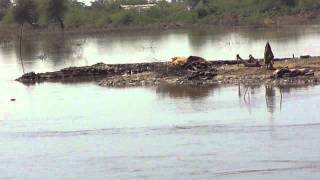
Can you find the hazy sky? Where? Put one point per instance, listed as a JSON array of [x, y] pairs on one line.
[[86, 1]]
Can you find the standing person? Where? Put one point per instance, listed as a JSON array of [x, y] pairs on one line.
[[268, 56]]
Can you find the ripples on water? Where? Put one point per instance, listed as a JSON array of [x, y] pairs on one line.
[[83, 131]]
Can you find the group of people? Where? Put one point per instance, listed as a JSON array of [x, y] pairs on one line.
[[268, 59]]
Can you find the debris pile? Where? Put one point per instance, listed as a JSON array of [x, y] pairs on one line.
[[286, 72], [194, 68], [179, 71]]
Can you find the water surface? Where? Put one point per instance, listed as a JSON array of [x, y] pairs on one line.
[[57, 51], [83, 131]]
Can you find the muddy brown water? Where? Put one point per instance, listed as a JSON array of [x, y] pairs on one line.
[[83, 131]]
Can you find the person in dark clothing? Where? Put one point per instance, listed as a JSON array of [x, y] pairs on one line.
[[268, 56]]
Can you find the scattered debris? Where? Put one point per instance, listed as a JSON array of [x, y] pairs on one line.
[[305, 57], [252, 62], [141, 79], [194, 71], [31, 76], [286, 72], [180, 70], [96, 70]]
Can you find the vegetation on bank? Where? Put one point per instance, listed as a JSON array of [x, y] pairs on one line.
[[103, 13]]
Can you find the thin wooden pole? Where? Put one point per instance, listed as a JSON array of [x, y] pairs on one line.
[[20, 47]]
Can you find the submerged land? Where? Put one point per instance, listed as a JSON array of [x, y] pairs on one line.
[[288, 71]]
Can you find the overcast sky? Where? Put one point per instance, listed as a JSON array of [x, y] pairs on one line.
[[86, 1]]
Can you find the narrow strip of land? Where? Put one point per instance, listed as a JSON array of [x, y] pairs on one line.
[[292, 71]]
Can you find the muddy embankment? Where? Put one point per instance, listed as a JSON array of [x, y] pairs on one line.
[[293, 71]]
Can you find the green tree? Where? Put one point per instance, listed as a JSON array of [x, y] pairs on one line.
[[4, 5], [25, 11], [56, 11]]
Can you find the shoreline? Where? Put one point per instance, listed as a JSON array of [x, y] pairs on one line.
[[157, 73], [11, 31]]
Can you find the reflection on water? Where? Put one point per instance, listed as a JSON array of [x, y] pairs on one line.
[[166, 105], [53, 52], [270, 98], [59, 51], [179, 91], [248, 95], [56, 49], [143, 132]]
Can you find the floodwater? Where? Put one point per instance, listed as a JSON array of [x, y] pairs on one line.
[[83, 131]]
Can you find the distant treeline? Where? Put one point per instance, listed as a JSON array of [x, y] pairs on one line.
[[106, 13]]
